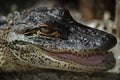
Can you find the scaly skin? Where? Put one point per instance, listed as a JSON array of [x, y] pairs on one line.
[[50, 38]]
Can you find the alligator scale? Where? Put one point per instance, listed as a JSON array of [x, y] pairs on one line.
[[50, 38]]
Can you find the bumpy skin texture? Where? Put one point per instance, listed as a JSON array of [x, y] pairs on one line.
[[50, 38]]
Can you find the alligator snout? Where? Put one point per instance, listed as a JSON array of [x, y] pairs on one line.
[[90, 38]]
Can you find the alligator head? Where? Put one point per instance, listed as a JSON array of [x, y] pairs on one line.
[[50, 38]]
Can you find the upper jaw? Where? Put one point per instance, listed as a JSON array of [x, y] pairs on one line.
[[90, 38]]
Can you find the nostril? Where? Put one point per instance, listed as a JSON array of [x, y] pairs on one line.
[[111, 40], [106, 42]]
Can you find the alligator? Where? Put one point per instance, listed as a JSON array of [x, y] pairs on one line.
[[49, 38]]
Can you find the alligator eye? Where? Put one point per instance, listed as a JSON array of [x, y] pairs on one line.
[[46, 31]]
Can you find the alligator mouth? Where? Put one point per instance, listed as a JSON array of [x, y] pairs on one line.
[[87, 60], [104, 60]]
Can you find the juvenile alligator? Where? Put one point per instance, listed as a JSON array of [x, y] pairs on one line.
[[50, 38]]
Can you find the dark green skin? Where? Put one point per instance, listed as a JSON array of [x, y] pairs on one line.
[[75, 39]]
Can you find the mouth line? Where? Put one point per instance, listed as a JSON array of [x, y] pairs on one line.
[[89, 59]]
